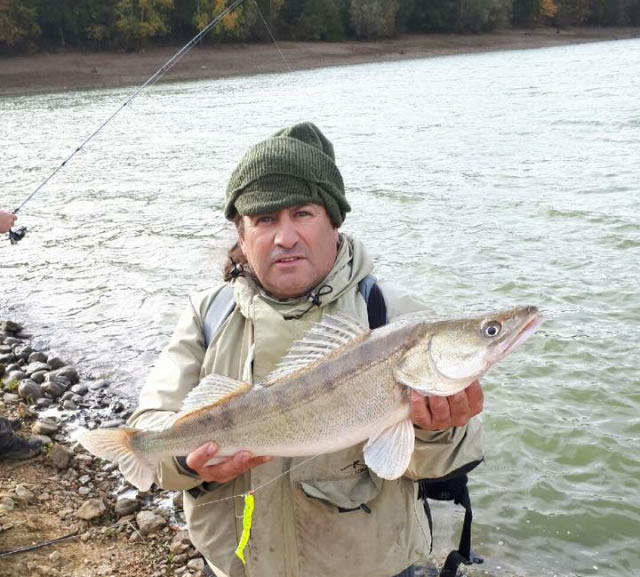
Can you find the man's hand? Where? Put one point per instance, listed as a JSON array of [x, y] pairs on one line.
[[436, 413], [224, 471], [7, 220]]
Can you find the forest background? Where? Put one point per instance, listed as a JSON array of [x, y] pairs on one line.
[[28, 26]]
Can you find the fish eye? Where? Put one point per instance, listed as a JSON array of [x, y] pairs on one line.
[[491, 329]]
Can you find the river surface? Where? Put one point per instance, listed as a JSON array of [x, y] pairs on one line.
[[477, 181]]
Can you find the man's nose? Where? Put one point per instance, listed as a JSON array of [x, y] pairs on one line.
[[286, 235]]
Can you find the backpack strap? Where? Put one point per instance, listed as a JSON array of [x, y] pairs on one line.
[[376, 307], [454, 488], [218, 312]]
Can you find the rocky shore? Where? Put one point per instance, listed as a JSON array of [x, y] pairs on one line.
[[64, 512]]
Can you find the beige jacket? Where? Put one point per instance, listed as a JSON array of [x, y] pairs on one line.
[[308, 520]]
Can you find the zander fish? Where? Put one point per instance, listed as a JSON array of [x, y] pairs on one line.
[[341, 385]]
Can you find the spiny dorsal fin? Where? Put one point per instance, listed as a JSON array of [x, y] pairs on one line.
[[324, 337], [212, 390]]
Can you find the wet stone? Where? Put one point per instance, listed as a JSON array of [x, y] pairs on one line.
[[69, 405], [11, 398], [80, 389], [38, 376], [68, 373], [7, 357], [44, 403], [59, 380], [23, 352], [52, 389], [35, 367], [56, 363], [14, 375], [10, 327], [98, 385], [29, 390], [37, 357]]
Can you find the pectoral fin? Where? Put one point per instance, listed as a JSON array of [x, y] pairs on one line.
[[388, 453]]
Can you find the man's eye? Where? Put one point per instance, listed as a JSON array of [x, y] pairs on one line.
[[303, 213], [264, 220]]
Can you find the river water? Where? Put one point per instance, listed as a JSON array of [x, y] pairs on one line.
[[478, 181]]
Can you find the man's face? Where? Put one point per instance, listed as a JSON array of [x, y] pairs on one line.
[[290, 251]]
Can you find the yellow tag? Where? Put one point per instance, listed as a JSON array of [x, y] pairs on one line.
[[247, 516]]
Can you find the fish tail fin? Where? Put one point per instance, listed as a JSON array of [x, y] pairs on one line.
[[115, 445]]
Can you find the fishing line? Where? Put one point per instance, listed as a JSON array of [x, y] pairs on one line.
[[242, 495], [18, 234]]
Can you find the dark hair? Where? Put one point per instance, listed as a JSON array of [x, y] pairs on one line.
[[236, 263]]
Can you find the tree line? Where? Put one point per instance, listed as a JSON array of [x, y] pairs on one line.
[[32, 25]]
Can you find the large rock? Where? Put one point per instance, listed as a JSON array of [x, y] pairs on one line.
[[91, 509], [7, 358], [29, 390], [149, 522]]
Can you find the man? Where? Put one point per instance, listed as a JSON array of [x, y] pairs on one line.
[[330, 516]]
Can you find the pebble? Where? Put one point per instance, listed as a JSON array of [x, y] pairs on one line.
[[149, 522], [91, 509], [59, 456], [24, 494], [45, 427]]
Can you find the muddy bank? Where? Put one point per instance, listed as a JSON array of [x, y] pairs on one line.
[[75, 70]]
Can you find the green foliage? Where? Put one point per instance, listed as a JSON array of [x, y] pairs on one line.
[[19, 23], [27, 25], [138, 21], [373, 18], [322, 21]]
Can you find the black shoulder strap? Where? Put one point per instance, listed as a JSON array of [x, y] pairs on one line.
[[453, 488], [376, 307]]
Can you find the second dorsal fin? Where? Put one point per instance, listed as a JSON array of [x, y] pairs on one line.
[[324, 337]]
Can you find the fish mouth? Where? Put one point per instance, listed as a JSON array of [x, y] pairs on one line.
[[529, 326]]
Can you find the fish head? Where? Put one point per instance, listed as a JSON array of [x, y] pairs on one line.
[[447, 357]]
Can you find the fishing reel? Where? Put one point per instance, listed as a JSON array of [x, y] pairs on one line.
[[17, 234]]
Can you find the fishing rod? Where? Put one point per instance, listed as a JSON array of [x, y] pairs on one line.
[[17, 234]]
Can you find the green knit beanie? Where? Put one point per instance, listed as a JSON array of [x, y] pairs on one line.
[[295, 166]]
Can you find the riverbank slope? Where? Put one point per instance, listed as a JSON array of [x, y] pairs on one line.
[[54, 72]]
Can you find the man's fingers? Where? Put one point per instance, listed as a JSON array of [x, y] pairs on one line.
[[198, 458], [475, 397], [440, 412], [459, 407], [420, 414]]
